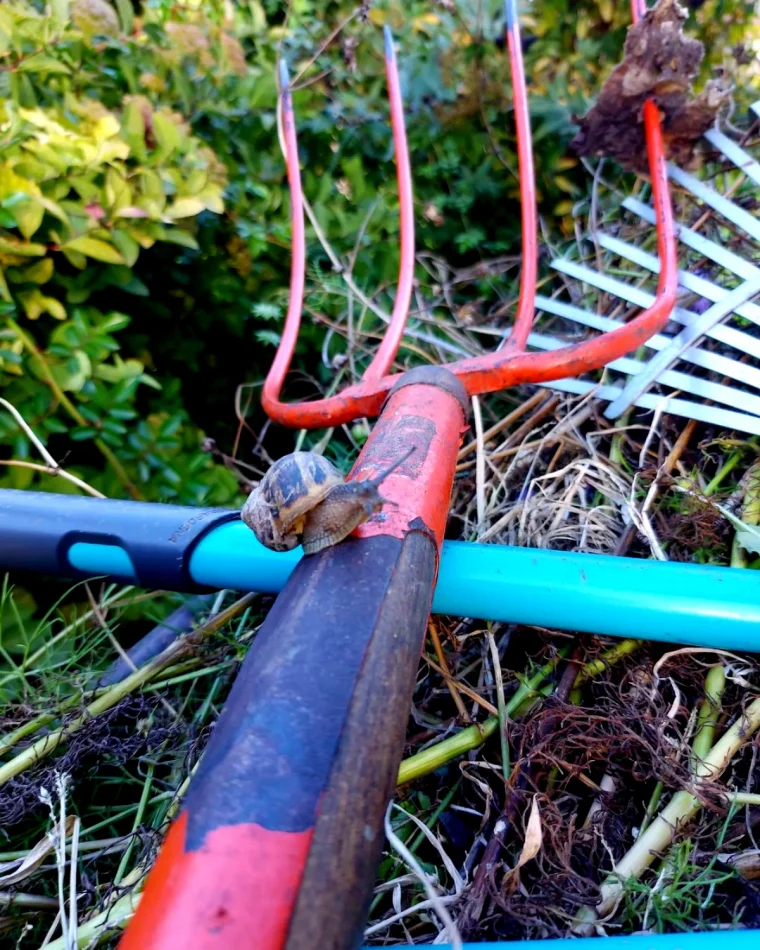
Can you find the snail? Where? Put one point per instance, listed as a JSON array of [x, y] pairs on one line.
[[303, 497]]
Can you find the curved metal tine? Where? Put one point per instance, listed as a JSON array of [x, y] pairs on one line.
[[526, 310], [283, 356], [383, 358], [387, 351]]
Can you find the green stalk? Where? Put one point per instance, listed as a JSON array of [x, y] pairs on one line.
[[680, 810], [110, 697], [432, 758], [728, 466], [502, 707], [709, 712], [142, 804], [608, 658], [654, 801], [750, 513]]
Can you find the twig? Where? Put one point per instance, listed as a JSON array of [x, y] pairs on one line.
[[480, 463], [452, 685], [52, 467]]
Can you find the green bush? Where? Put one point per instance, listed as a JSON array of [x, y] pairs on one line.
[[91, 176]]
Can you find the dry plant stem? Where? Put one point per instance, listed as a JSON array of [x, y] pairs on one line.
[[115, 917], [46, 745], [72, 410], [446, 673], [504, 423], [52, 467], [463, 689], [503, 718], [435, 899], [480, 463], [100, 617], [680, 810]]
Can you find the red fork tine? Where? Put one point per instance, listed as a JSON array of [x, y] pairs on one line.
[[387, 350], [511, 364]]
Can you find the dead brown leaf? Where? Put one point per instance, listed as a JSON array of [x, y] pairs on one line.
[[534, 838], [659, 63], [24, 867]]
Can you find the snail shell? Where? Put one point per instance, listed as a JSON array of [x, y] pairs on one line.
[[277, 509], [304, 498]]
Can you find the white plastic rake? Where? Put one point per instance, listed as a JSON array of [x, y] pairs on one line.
[[706, 365]]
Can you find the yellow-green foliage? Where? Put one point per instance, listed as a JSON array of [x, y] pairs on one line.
[[80, 181], [90, 178]]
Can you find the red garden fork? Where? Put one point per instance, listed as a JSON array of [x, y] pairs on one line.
[[278, 840]]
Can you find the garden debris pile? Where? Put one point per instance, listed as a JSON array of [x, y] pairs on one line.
[[659, 63]]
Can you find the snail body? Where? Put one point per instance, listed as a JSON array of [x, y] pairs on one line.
[[303, 498]]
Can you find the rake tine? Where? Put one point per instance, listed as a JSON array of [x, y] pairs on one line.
[[728, 335], [715, 362], [705, 288], [715, 392], [702, 245], [716, 201], [688, 336], [734, 153], [711, 415]]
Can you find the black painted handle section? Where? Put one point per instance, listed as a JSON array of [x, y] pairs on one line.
[[310, 739]]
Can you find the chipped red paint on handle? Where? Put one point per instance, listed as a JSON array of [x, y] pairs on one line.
[[188, 899], [428, 418]]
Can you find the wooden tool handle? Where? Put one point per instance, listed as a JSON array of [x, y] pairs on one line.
[[277, 844]]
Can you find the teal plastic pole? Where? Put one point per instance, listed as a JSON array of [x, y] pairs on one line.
[[613, 596], [739, 940], [591, 593]]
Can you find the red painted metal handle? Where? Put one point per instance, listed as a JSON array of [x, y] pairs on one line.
[[511, 365]]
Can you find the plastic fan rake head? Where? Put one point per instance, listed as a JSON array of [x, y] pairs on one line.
[[511, 364]]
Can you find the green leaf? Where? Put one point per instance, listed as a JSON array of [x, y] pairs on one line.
[[128, 247], [29, 215], [12, 245], [181, 237], [133, 130], [168, 136], [185, 208], [96, 249], [747, 535], [258, 16], [60, 12], [126, 15], [40, 272], [35, 303], [42, 63]]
